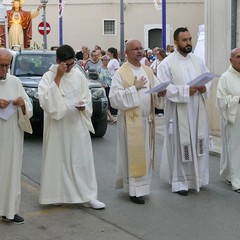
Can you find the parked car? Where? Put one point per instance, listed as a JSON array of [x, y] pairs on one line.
[[39, 62]]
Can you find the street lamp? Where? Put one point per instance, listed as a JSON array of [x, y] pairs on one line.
[[44, 3]]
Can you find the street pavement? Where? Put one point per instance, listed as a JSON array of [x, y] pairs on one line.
[[211, 214]]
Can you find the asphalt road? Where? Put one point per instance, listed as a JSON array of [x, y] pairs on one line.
[[211, 214]]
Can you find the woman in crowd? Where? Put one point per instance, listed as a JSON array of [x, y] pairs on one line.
[[160, 54], [113, 65], [84, 60], [105, 80], [144, 60]]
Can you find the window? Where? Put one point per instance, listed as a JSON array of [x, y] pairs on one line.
[[37, 65], [109, 27]]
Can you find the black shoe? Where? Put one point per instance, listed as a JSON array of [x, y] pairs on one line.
[[137, 200], [17, 219], [183, 192], [228, 182]]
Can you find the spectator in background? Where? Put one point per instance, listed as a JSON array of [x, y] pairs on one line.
[[97, 47], [93, 62], [113, 66], [160, 55], [85, 59], [105, 79], [103, 52], [228, 101], [150, 56], [170, 49], [79, 55], [144, 60], [99, 53], [154, 52], [121, 61]]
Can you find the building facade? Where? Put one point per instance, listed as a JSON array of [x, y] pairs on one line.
[[98, 21], [222, 21]]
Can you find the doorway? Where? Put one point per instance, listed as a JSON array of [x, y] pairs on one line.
[[155, 38]]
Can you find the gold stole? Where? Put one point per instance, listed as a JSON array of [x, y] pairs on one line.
[[135, 131]]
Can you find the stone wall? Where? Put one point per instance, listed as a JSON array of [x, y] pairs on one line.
[[218, 47]]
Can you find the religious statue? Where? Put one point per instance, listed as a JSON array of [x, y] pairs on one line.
[[19, 25]]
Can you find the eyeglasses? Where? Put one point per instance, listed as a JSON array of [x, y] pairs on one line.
[[2, 66], [137, 49]]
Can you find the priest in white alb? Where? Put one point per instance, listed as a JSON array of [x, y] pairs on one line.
[[68, 173], [15, 111], [185, 152], [228, 102], [136, 120]]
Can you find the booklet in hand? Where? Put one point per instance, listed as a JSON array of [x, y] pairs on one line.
[[159, 88], [202, 79], [7, 112]]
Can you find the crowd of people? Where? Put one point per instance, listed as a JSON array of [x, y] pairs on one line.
[[105, 63], [68, 173], [148, 56]]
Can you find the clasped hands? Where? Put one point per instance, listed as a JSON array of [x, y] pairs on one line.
[[193, 90], [18, 102]]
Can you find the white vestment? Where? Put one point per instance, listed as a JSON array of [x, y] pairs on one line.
[[228, 95], [68, 173], [11, 148], [181, 174], [124, 99]]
